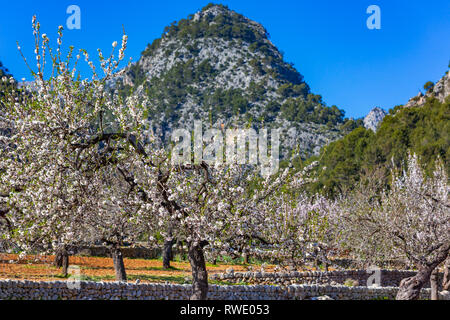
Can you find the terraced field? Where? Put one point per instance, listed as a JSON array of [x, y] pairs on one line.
[[101, 269]]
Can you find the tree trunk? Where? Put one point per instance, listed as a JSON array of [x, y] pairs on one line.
[[62, 260], [446, 279], [58, 259], [434, 284], [199, 273], [119, 266], [167, 253], [181, 252], [245, 255], [317, 264], [316, 259], [65, 264], [409, 288]]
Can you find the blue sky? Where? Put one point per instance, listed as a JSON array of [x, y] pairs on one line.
[[349, 65]]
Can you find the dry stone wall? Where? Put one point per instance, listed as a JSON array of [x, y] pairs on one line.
[[388, 278], [85, 290]]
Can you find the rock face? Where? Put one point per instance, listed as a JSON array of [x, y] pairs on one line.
[[220, 67], [373, 119], [440, 91]]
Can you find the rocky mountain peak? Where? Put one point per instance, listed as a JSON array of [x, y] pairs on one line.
[[440, 90], [220, 67], [213, 11], [374, 118]]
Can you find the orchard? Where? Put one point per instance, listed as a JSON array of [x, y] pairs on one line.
[[79, 165]]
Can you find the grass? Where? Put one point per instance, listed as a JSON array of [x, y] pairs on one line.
[[171, 268], [34, 266], [227, 283], [382, 298], [131, 277], [177, 279], [351, 283], [84, 277]]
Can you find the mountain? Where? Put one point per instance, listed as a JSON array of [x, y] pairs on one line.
[[421, 126], [373, 118], [5, 85], [220, 67], [440, 91], [3, 70], [5, 78]]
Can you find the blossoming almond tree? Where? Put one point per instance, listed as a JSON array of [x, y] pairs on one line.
[[206, 205], [87, 170], [422, 206], [112, 218], [411, 221], [298, 227], [210, 206], [301, 229], [77, 149], [60, 137]]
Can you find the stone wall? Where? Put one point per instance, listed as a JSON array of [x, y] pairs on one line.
[[388, 278], [86, 290]]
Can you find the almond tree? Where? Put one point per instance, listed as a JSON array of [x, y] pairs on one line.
[[206, 205], [88, 170], [77, 149], [446, 279], [411, 221], [61, 136], [298, 227], [301, 229], [112, 217]]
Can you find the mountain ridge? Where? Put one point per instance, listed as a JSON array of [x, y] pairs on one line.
[[220, 67], [421, 126], [440, 91]]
